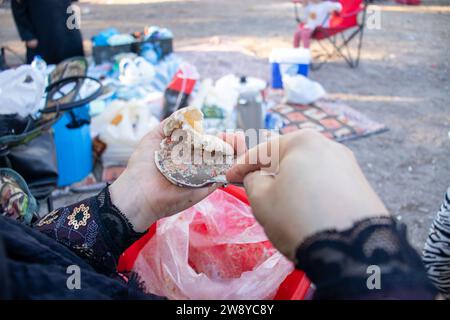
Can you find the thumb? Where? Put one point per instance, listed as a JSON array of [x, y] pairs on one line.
[[263, 156]]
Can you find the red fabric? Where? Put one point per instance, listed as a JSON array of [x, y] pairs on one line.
[[339, 22], [294, 287], [348, 16]]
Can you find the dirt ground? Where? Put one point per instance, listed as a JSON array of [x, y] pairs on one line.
[[403, 80]]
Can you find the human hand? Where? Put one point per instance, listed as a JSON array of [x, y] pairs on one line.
[[319, 186], [144, 195], [32, 44]]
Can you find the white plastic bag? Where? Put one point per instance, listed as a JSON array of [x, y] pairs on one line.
[[21, 91], [121, 126], [136, 71], [214, 250], [301, 90]]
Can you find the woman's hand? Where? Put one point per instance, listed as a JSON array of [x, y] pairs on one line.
[[32, 44], [318, 186], [143, 194]]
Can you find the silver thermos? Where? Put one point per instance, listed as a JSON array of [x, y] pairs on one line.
[[250, 107]]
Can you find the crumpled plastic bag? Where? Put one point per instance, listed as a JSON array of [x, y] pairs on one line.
[[301, 90], [21, 91], [136, 71], [165, 70], [121, 126], [214, 250]]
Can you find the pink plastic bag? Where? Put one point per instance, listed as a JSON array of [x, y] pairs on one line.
[[214, 250]]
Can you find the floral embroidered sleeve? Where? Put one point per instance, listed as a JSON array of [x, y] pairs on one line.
[[94, 229]]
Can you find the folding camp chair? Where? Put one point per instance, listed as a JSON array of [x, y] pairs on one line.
[[345, 30]]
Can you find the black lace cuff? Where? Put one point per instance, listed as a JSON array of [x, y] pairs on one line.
[[94, 229], [371, 260], [117, 228]]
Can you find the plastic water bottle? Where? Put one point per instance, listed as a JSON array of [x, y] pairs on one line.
[[40, 65]]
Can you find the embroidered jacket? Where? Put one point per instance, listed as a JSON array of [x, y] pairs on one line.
[[94, 228]]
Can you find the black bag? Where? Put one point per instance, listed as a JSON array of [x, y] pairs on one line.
[[34, 158], [36, 163]]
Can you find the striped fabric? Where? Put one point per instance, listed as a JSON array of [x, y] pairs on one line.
[[436, 253]]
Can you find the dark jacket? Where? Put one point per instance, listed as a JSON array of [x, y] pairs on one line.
[[47, 21]]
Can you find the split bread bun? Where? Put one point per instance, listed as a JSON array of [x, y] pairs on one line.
[[190, 121]]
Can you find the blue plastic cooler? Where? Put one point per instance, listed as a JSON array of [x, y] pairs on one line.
[[288, 60]]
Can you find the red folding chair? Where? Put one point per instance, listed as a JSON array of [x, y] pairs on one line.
[[346, 29]]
